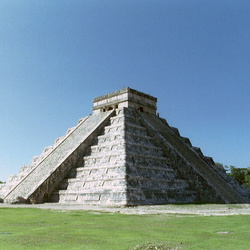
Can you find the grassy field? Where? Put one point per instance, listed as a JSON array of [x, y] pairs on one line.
[[31, 228]]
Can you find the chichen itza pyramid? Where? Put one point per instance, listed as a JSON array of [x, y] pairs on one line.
[[123, 154]]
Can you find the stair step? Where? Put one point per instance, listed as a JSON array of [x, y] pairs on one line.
[[198, 150], [209, 160], [187, 141], [176, 130], [122, 159]]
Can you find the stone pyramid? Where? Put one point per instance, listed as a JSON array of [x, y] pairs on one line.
[[123, 154]]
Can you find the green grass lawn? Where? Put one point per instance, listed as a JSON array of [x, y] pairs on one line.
[[31, 228]]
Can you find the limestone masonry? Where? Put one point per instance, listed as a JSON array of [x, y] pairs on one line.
[[123, 154]]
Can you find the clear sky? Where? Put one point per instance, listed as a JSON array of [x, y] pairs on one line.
[[56, 56]]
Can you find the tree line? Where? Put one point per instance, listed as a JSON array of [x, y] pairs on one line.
[[242, 175]]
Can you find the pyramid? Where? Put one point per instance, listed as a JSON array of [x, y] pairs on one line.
[[123, 154]]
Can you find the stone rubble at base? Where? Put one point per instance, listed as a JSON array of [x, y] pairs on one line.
[[123, 154]]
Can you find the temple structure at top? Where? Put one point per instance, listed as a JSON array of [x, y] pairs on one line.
[[125, 98]]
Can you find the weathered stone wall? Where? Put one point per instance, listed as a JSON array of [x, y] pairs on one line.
[[128, 98], [25, 170], [183, 147], [153, 172], [40, 182], [128, 166]]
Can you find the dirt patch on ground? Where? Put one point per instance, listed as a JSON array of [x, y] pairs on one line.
[[204, 209]]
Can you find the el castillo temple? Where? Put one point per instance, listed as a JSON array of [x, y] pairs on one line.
[[123, 154]]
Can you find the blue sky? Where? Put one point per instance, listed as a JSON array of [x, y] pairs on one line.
[[56, 56]]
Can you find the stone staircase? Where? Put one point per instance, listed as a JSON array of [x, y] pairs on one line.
[[14, 180], [54, 164], [25, 170], [101, 179], [126, 167]]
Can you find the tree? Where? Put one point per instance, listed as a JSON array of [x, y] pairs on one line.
[[226, 167], [247, 180], [242, 175]]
